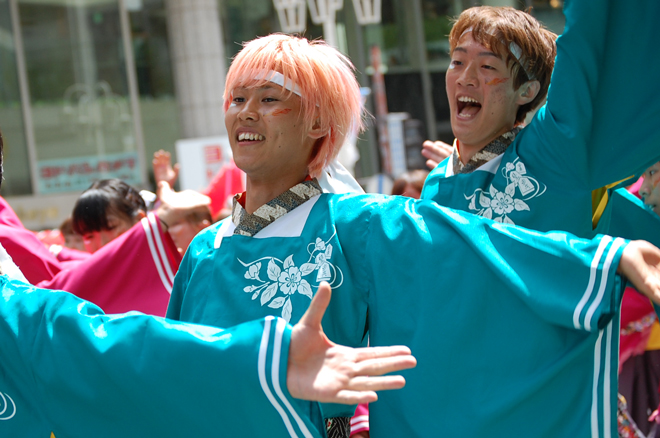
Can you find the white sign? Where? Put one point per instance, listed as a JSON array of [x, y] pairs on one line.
[[200, 159]]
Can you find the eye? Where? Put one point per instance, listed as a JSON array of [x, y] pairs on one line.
[[488, 67], [270, 99], [237, 99], [456, 63]]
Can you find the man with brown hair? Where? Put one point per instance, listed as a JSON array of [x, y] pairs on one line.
[[594, 129]]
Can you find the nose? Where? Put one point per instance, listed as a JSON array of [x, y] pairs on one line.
[[468, 75], [249, 111], [645, 188]]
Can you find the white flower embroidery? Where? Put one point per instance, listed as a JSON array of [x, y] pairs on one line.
[[498, 205], [287, 278]]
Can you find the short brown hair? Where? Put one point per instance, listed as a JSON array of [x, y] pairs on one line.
[[496, 28]]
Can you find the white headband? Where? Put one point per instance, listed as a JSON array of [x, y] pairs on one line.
[[278, 79], [515, 50]]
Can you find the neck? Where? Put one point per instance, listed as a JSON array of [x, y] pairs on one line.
[[260, 191], [467, 151]]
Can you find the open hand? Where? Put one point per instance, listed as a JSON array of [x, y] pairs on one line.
[[163, 170], [435, 152], [321, 370], [640, 263]]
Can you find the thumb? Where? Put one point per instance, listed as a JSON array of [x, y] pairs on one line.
[[316, 310]]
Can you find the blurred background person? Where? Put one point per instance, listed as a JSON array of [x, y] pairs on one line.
[[410, 183]]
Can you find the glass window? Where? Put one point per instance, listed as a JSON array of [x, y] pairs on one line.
[[17, 181], [243, 21], [153, 68], [76, 71], [437, 25]]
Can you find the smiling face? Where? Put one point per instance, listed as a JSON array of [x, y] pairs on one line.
[[482, 99], [650, 189], [268, 137]]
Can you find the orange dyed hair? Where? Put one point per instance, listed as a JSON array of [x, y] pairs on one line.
[[496, 27], [330, 94]]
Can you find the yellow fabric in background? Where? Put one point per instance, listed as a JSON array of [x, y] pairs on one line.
[[654, 339]]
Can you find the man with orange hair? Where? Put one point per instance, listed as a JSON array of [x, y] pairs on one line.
[[69, 370], [289, 104]]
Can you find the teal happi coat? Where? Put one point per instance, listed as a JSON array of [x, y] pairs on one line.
[[68, 369], [512, 328], [599, 126]]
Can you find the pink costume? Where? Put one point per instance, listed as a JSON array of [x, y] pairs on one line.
[[31, 256], [133, 272]]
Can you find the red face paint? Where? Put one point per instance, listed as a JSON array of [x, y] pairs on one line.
[[497, 81], [281, 112]]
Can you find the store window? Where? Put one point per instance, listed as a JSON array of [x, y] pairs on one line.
[[243, 21], [80, 106], [17, 178], [154, 76]]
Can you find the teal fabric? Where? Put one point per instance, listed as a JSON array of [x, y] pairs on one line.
[[595, 128], [514, 330], [69, 369], [628, 217]]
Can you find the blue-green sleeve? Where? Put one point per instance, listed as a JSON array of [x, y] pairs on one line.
[[517, 326], [68, 368], [600, 121], [422, 256]]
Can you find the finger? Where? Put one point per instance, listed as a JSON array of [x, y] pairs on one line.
[[380, 383], [366, 353], [431, 164], [349, 397], [314, 313], [377, 367]]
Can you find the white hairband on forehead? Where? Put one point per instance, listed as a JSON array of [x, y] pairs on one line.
[[278, 79], [515, 50]]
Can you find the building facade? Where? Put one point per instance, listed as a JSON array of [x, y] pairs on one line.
[[92, 88]]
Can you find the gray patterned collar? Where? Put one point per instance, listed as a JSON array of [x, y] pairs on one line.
[[250, 224], [492, 150]]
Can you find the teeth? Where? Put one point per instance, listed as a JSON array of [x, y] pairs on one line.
[[250, 136], [467, 99]]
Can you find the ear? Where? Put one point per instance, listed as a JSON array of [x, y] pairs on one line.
[[316, 132], [528, 91]]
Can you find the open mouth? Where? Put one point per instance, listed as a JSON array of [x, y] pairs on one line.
[[250, 136], [468, 107]]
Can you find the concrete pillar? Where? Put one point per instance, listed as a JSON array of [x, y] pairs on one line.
[[199, 66]]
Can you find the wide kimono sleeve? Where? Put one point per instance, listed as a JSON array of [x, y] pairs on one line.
[[627, 216], [600, 123], [513, 330], [70, 369], [133, 272]]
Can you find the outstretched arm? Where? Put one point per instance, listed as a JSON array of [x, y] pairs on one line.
[[595, 127], [321, 370], [640, 263], [139, 375]]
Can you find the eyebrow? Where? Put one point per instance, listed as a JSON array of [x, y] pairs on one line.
[[461, 49]]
